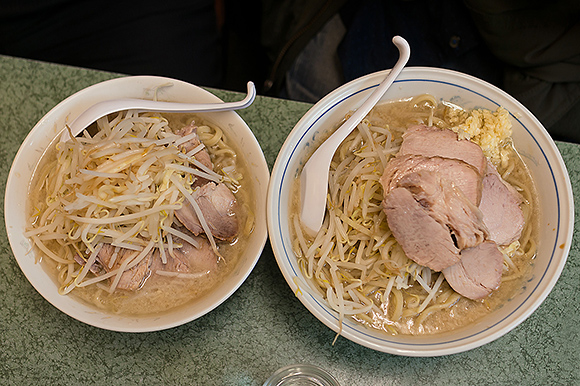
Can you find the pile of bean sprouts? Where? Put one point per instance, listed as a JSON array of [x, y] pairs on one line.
[[121, 186], [354, 261]]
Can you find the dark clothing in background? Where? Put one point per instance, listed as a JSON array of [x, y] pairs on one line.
[[441, 33], [302, 49], [530, 49], [539, 44], [174, 38], [287, 27]]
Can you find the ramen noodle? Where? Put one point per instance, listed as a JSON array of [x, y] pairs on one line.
[[355, 262], [104, 211]]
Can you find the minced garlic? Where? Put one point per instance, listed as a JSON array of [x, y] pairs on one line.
[[490, 130]]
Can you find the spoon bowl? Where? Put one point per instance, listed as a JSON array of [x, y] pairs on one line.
[[314, 176]]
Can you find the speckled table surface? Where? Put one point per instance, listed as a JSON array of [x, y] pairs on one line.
[[263, 326]]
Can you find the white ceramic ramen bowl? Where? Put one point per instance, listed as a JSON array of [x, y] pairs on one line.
[[50, 126], [531, 140]]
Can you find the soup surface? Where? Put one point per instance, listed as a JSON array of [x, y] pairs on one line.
[[144, 223], [357, 264]]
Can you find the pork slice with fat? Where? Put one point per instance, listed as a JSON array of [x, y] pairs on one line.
[[478, 272], [202, 155], [500, 205], [461, 174], [447, 205], [219, 208], [187, 258], [431, 141], [423, 239], [131, 279]]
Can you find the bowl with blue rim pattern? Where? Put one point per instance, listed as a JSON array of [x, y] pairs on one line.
[[531, 140]]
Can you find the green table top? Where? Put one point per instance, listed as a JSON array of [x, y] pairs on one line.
[[263, 326]]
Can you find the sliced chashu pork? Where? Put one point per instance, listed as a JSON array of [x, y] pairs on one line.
[[187, 258], [131, 279], [432, 141], [417, 200], [218, 206], [447, 205], [202, 155], [461, 174], [500, 205], [424, 240], [435, 188], [478, 272]]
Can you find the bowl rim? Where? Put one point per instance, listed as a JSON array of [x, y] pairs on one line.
[[318, 307], [86, 97]]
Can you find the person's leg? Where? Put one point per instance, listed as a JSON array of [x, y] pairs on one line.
[[317, 70]]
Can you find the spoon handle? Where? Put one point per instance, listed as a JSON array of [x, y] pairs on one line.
[[314, 175], [103, 108], [347, 127]]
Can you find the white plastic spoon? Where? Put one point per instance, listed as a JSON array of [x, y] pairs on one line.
[[101, 109], [314, 176]]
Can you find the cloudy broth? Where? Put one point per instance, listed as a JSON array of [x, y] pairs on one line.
[[394, 314], [159, 293]]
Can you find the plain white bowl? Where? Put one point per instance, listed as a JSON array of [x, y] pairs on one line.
[[531, 140], [52, 124]]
